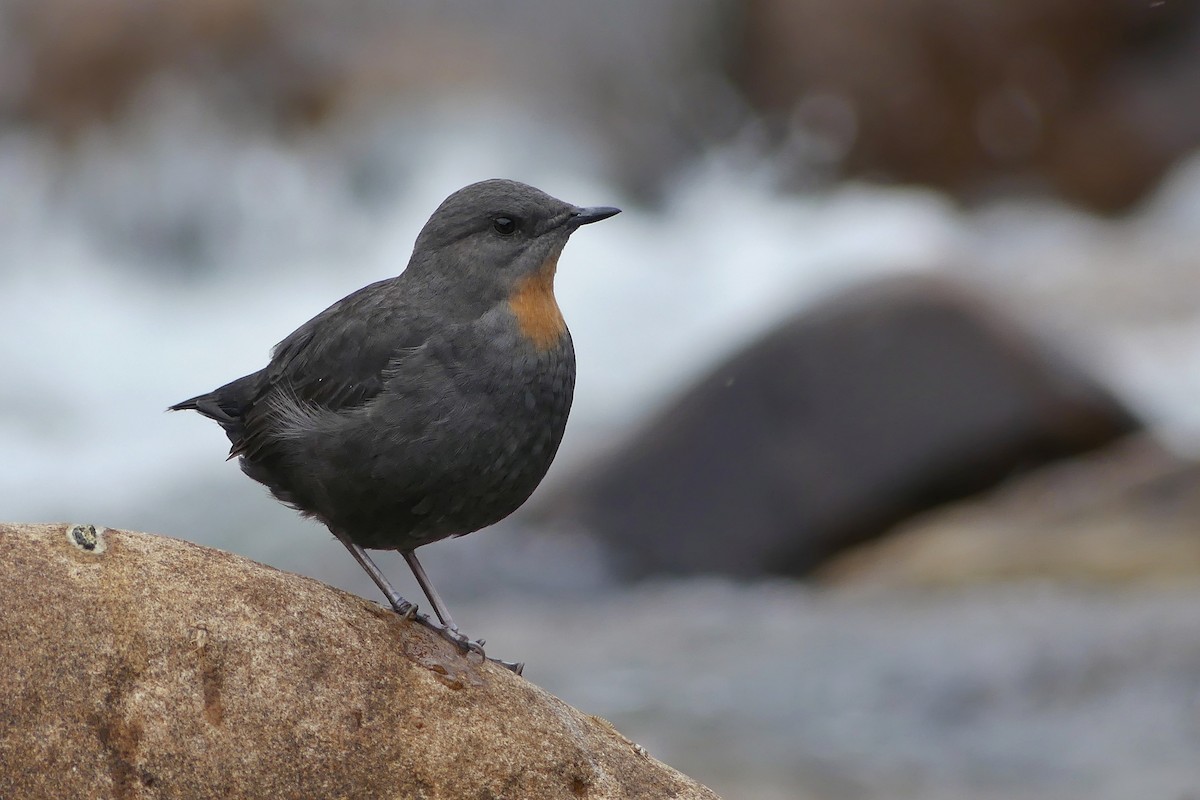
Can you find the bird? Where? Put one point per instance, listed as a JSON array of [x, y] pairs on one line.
[[427, 405]]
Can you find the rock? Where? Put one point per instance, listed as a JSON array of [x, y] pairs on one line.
[[285, 65], [1091, 99], [648, 72], [637, 87], [1127, 514], [885, 401], [136, 666]]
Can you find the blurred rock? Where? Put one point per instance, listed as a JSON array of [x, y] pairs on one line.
[[1130, 513], [276, 64], [140, 666], [882, 402], [644, 80], [1091, 99]]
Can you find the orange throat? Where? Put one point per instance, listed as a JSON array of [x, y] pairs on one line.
[[532, 303]]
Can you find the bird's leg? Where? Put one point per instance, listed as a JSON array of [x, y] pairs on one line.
[[401, 606], [439, 608], [448, 629]]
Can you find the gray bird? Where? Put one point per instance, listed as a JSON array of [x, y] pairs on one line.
[[426, 405]]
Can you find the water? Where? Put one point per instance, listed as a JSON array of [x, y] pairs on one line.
[[169, 253], [773, 691]]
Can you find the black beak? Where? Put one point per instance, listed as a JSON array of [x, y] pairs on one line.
[[585, 216]]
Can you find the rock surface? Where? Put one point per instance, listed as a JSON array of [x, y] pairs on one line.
[[137, 666], [1129, 514], [883, 402]]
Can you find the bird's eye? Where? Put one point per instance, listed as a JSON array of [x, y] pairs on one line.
[[505, 226]]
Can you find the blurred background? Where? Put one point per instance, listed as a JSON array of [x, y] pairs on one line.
[[881, 478]]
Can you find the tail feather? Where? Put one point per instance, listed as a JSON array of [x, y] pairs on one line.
[[225, 406], [207, 404]]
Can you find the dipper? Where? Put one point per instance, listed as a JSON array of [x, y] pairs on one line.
[[426, 405]]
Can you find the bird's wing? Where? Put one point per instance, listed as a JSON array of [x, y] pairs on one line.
[[335, 362]]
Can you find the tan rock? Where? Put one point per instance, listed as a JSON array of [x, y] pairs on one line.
[[136, 666], [1127, 514]]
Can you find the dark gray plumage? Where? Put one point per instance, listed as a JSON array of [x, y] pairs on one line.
[[427, 405]]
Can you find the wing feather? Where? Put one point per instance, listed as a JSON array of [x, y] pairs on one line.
[[335, 362]]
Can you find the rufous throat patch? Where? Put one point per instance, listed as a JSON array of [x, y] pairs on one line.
[[532, 303]]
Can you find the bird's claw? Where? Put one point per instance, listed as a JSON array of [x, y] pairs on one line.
[[468, 646], [517, 667], [460, 640]]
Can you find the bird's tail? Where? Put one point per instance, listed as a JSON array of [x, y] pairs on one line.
[[225, 405], [206, 404]]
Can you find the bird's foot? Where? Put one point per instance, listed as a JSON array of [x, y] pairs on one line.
[[408, 611], [456, 637], [467, 645], [459, 639], [405, 609], [516, 666]]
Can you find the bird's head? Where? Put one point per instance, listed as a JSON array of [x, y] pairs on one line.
[[494, 237]]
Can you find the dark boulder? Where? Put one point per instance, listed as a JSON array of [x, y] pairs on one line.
[[882, 402]]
